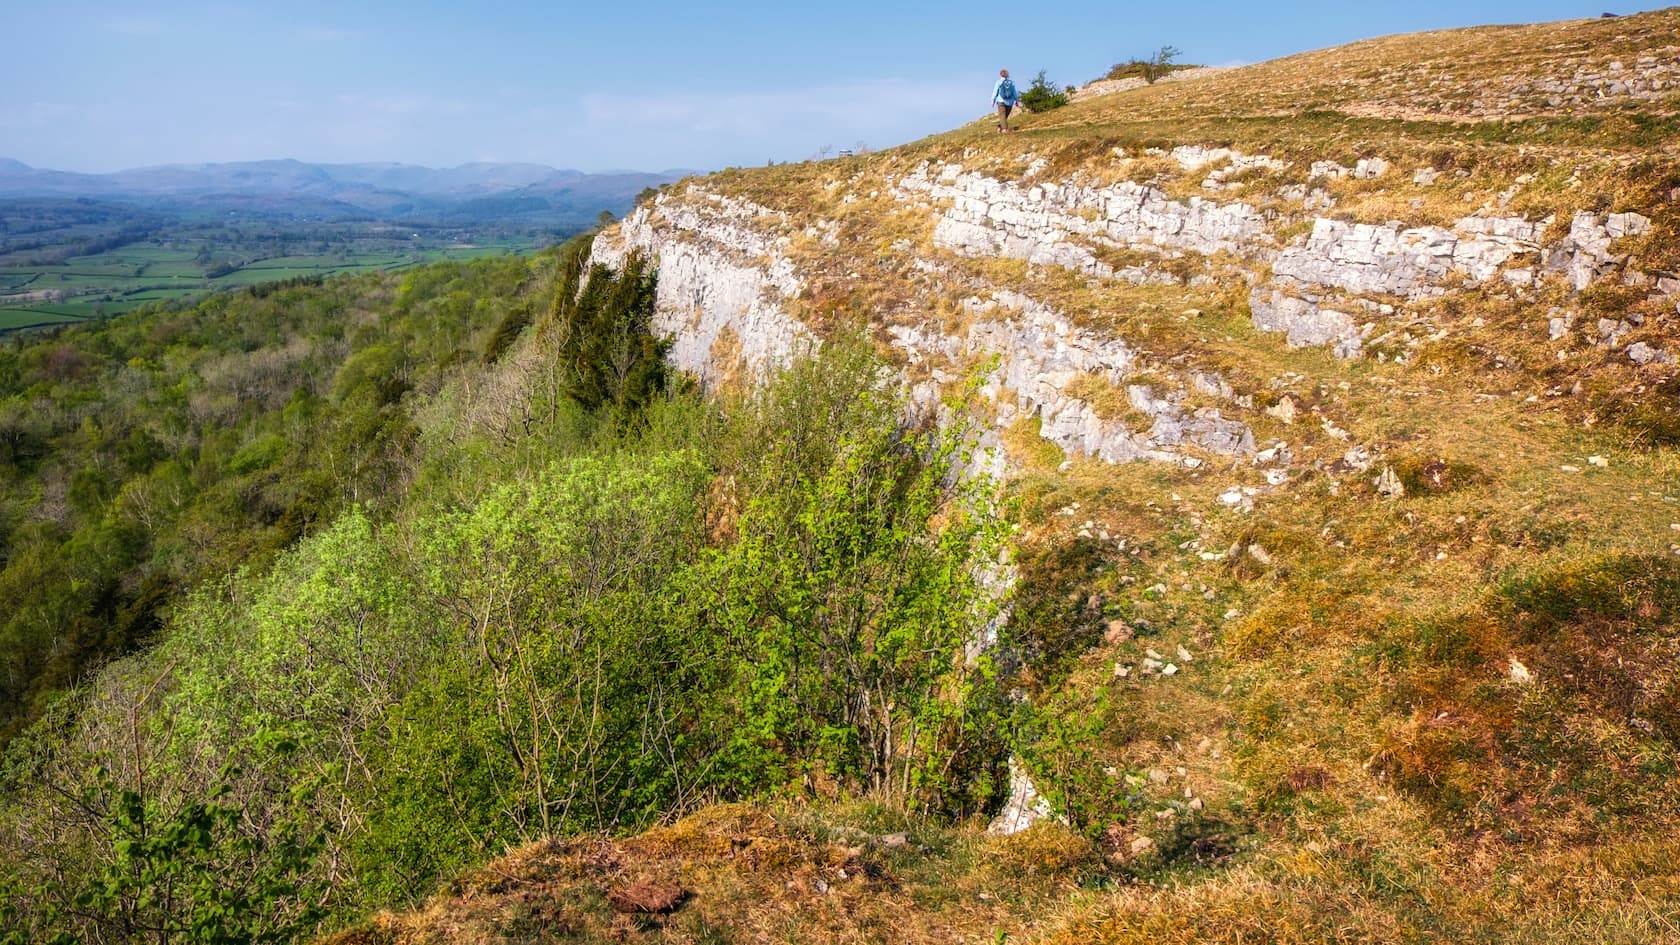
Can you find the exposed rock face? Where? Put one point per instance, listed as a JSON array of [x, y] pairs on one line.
[[1313, 291], [723, 283], [1040, 356], [1305, 322], [722, 277], [1584, 256], [729, 289], [1577, 82], [1388, 260], [1025, 806], [1060, 224], [1346, 266]]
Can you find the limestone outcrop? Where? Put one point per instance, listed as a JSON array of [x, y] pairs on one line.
[[724, 283], [725, 288], [731, 285], [1035, 364], [1061, 224]]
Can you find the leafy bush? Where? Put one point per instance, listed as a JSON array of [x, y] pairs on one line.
[[191, 872], [1055, 737], [190, 440], [1042, 95], [848, 607]]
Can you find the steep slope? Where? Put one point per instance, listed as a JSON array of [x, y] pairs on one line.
[[1338, 398]]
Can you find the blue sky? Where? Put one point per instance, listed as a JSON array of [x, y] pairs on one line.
[[95, 85]]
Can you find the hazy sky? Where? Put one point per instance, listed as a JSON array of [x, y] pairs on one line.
[[96, 85]]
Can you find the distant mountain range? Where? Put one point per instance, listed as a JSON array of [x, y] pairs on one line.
[[476, 192]]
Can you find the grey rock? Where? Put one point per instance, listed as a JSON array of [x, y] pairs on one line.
[[1388, 260], [719, 273], [1370, 168], [1060, 225], [1040, 354], [1389, 485], [1327, 169], [1303, 322], [1618, 225], [1642, 354], [1610, 331], [1024, 807]]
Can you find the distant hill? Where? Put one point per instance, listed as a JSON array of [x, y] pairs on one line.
[[407, 191]]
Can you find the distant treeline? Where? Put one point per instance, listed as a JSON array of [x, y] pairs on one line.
[[55, 254]]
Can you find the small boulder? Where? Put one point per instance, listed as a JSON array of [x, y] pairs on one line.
[[1370, 168], [1283, 410], [1388, 484], [1618, 225]]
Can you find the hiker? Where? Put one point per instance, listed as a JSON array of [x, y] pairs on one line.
[[1004, 97]]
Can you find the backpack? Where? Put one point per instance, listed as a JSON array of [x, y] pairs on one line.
[[1006, 91]]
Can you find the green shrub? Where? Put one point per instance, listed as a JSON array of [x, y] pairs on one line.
[[1056, 738], [847, 606], [594, 627], [193, 871], [1042, 95]]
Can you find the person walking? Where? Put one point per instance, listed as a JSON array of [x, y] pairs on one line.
[[1004, 96]]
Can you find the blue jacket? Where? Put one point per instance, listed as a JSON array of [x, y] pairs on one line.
[[997, 94]]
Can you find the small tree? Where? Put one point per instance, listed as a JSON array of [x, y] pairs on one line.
[[1043, 95], [1159, 64], [1149, 70]]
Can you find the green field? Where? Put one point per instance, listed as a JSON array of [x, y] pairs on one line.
[[11, 319], [107, 283], [64, 260]]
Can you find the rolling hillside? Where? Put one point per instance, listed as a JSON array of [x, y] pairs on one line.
[[1336, 397]]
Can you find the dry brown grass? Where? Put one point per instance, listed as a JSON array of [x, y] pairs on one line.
[[752, 875]]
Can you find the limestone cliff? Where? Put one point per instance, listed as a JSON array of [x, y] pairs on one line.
[[1194, 221]]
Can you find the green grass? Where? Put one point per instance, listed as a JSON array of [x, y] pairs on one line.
[[12, 319]]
